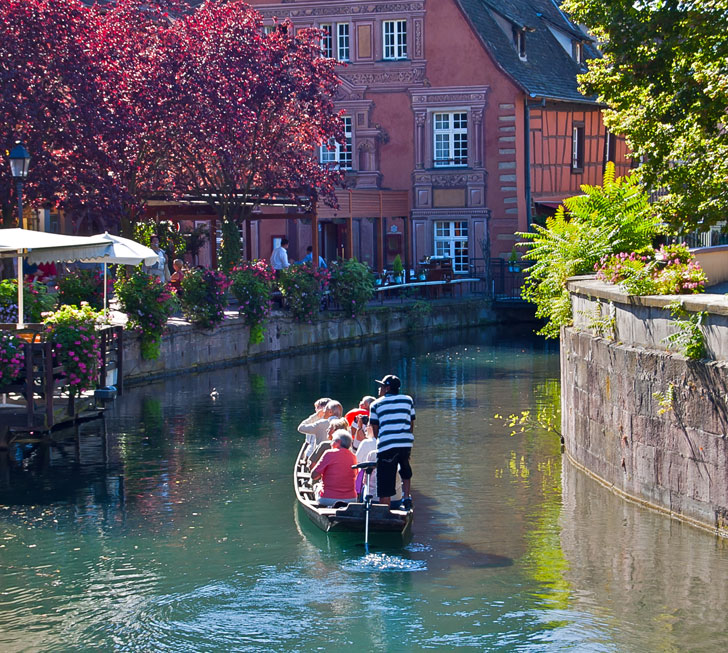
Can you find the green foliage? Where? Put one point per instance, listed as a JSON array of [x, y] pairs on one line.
[[615, 217], [170, 239], [664, 77], [303, 288], [36, 301], [688, 336], [397, 267], [230, 252], [418, 312], [252, 285], [203, 297], [77, 347], [148, 305], [671, 270], [352, 285], [665, 400], [82, 286], [12, 357], [604, 326]]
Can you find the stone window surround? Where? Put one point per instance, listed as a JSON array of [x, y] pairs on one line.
[[470, 99], [359, 13]]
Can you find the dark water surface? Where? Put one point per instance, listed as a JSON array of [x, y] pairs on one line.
[[178, 531]]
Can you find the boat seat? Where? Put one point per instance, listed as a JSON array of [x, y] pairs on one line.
[[303, 475]]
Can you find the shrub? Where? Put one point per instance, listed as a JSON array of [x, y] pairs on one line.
[[616, 217], [148, 304], [12, 357], [36, 301], [203, 297], [352, 285], [671, 270], [76, 345], [82, 286], [303, 287], [252, 284]]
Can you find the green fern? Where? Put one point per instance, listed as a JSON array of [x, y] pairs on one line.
[[614, 217]]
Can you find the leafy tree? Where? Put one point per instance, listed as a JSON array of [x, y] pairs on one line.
[[615, 217], [664, 77], [252, 108]]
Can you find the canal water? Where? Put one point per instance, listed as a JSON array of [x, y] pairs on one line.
[[174, 527]]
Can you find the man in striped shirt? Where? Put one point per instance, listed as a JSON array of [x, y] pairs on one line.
[[392, 419]]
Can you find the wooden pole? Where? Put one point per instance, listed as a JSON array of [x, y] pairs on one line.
[[380, 244], [314, 237], [350, 239]]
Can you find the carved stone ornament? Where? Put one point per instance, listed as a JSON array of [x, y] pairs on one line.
[[406, 76], [340, 9], [449, 98], [449, 180]]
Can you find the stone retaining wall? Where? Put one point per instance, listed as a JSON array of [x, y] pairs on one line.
[[185, 348], [648, 423]]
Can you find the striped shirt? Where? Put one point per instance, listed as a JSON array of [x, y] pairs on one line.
[[393, 414]]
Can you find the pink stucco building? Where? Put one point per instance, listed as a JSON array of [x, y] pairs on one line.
[[463, 123]]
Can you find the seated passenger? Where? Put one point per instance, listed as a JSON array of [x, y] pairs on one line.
[[363, 409], [319, 428], [319, 408], [334, 470], [334, 425]]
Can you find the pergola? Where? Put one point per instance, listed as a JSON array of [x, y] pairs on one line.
[[378, 205]]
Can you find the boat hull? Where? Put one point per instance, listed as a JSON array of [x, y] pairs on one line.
[[351, 517]]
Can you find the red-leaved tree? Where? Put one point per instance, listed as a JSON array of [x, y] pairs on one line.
[[252, 109], [50, 99]]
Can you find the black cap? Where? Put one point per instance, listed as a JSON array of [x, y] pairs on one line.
[[390, 381]]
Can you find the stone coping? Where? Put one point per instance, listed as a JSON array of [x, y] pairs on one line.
[[590, 287]]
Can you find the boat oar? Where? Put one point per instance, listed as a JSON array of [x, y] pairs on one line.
[[368, 468]]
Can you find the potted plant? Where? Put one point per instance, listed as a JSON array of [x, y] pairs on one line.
[[513, 263], [398, 269]]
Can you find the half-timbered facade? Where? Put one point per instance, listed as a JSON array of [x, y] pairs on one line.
[[469, 109]]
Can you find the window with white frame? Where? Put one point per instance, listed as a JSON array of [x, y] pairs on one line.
[[450, 132], [336, 154], [451, 240], [268, 29], [335, 42], [395, 39]]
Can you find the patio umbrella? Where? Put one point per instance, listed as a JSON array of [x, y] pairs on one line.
[[123, 251], [41, 247]]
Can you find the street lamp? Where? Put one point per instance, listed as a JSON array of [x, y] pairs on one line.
[[19, 164]]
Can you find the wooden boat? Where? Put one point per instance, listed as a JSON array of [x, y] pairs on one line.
[[350, 517]]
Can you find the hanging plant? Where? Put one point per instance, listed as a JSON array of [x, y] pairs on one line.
[[76, 345], [12, 358], [252, 285]]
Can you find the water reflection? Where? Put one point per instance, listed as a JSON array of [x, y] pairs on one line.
[[177, 529]]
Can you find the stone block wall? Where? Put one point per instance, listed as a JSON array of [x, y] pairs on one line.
[[646, 422], [185, 348]]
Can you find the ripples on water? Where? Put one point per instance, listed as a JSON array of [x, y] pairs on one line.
[[179, 531]]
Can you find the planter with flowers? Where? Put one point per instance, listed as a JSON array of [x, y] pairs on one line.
[[670, 270], [204, 298], [36, 301], [12, 358], [82, 286], [148, 305], [251, 283], [76, 346], [303, 287]]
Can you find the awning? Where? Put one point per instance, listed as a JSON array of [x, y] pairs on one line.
[[41, 247]]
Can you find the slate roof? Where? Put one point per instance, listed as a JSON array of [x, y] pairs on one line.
[[548, 71]]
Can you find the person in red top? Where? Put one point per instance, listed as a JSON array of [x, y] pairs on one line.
[[334, 470], [358, 434], [362, 410]]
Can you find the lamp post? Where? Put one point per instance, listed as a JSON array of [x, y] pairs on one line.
[[19, 163]]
